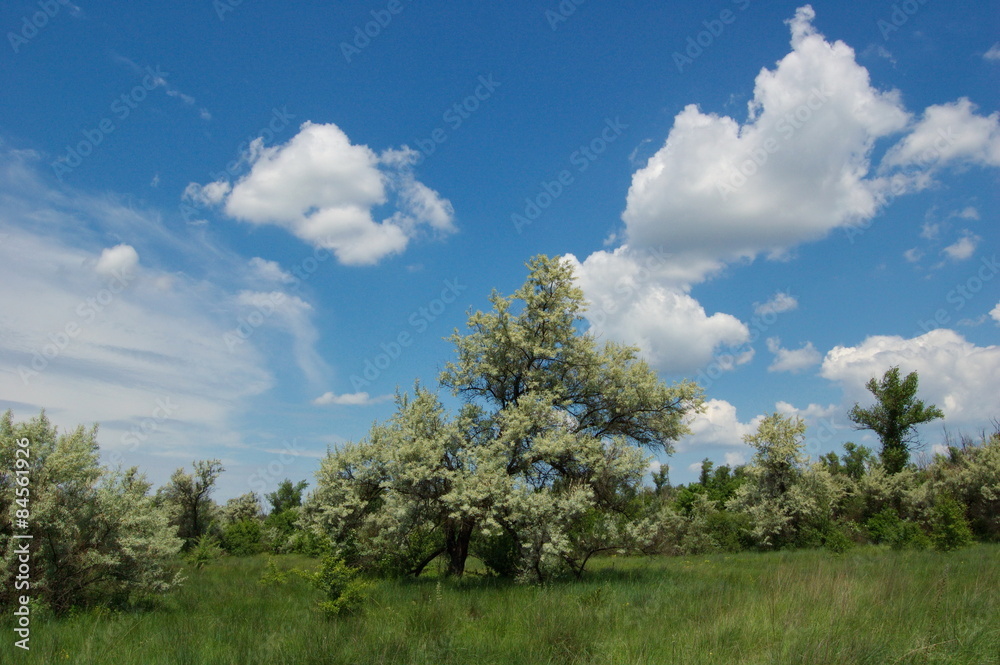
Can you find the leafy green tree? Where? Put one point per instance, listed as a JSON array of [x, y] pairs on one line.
[[288, 495], [97, 537], [661, 478], [856, 460], [188, 498], [894, 416]]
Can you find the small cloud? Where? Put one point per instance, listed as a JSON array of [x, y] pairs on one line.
[[350, 399], [968, 213], [155, 182], [118, 260], [206, 195], [270, 271], [778, 303], [735, 459], [972, 323], [930, 230], [913, 255], [995, 313], [792, 360], [963, 248], [993, 55]]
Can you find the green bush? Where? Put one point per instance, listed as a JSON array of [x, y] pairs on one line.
[[205, 550], [949, 528], [730, 530], [344, 592], [500, 553], [837, 539], [887, 528], [243, 537]]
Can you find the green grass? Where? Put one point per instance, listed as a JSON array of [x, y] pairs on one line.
[[870, 605]]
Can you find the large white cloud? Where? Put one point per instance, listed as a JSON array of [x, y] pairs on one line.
[[326, 190], [793, 171], [961, 378]]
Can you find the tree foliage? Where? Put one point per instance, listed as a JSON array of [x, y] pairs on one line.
[[97, 537], [894, 416], [544, 456], [187, 498]]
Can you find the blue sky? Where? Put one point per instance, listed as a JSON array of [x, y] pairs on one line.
[[232, 229]]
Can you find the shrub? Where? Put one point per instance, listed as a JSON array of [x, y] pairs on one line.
[[949, 528], [886, 527], [500, 553], [343, 590], [243, 537], [205, 550], [97, 537]]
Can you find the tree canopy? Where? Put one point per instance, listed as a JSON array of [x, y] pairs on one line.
[[542, 461], [894, 416]]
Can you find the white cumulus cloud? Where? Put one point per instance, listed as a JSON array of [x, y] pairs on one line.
[[961, 378], [951, 132], [777, 304], [326, 191], [792, 360], [963, 248], [634, 302], [792, 172], [117, 260]]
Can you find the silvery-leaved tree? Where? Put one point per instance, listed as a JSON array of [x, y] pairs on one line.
[[97, 537], [545, 454], [784, 494], [564, 419]]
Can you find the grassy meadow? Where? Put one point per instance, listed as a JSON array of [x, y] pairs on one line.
[[870, 605]]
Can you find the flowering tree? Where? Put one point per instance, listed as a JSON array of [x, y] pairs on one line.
[[545, 453], [97, 537]]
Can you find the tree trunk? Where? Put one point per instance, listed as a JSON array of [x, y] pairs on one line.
[[457, 546]]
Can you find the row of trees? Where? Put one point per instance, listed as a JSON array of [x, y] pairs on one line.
[[540, 468]]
